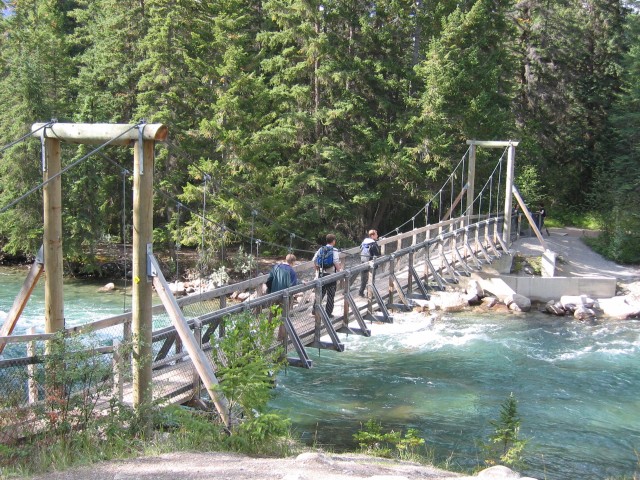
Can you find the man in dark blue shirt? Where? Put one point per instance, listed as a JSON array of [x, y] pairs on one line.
[[282, 275]]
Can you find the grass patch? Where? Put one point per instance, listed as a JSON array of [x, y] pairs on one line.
[[175, 429], [527, 265]]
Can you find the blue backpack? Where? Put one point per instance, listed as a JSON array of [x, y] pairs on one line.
[[325, 257]]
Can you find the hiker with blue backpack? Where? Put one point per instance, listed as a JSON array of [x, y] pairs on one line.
[[368, 251], [327, 261]]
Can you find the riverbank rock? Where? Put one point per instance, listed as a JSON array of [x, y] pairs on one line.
[[554, 308], [499, 473], [583, 313], [230, 466], [489, 302], [518, 303], [576, 300], [178, 289], [450, 301], [109, 287], [622, 307]]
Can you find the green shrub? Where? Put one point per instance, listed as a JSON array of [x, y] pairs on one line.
[[372, 440]]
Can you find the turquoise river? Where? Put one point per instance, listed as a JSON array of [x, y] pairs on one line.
[[577, 384]]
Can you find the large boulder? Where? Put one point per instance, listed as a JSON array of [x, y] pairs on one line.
[[451, 301], [518, 303], [583, 313], [474, 289], [489, 302], [109, 287], [497, 472], [555, 308], [577, 300], [622, 307]]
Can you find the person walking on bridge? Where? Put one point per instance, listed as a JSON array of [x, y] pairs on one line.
[[282, 275], [327, 261], [368, 251]]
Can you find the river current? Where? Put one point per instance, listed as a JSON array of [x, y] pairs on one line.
[[577, 384]]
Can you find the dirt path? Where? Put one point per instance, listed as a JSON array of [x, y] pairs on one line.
[[576, 258]]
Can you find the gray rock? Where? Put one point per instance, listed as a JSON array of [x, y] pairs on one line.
[[555, 308], [109, 287], [577, 300], [623, 307], [583, 313], [518, 303]]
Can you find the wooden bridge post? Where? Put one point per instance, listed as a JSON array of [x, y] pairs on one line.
[[32, 383], [52, 196], [392, 266], [471, 181], [118, 370], [142, 286], [506, 229], [316, 311]]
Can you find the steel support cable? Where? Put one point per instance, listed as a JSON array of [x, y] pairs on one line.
[[30, 134], [64, 170], [204, 211], [500, 180], [451, 195], [250, 207], [224, 228], [490, 195], [479, 195], [177, 245], [253, 222], [433, 197], [124, 234], [462, 183]]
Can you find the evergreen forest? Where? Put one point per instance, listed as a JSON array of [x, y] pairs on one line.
[[289, 119]]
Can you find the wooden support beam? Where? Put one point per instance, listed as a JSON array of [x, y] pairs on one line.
[[455, 203], [527, 213], [198, 357], [492, 143], [98, 133], [21, 299]]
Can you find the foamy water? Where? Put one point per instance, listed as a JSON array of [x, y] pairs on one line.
[[577, 385]]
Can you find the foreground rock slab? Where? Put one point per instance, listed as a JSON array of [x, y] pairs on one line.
[[229, 466]]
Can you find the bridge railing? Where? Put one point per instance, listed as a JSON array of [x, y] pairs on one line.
[[411, 263]]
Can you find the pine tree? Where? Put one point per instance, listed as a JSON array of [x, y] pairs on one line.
[[619, 192], [37, 65]]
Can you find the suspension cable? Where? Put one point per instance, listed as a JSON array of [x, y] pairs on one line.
[[489, 182], [64, 170], [125, 172], [500, 180], [27, 135], [225, 228], [177, 244], [438, 194], [251, 207]]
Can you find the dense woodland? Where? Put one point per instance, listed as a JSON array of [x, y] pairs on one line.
[[302, 117]]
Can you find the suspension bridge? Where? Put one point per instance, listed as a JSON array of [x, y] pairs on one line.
[[178, 334]]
